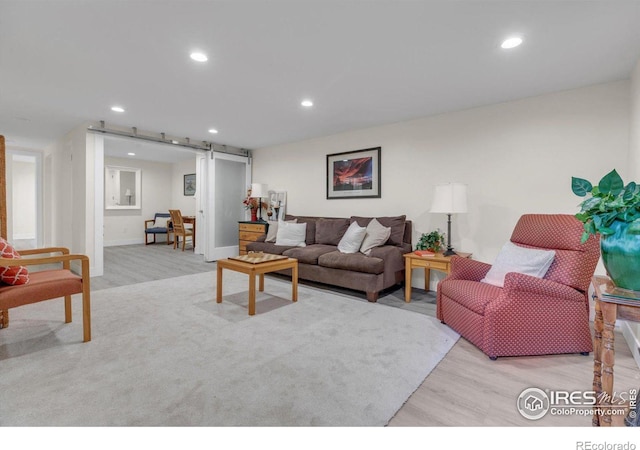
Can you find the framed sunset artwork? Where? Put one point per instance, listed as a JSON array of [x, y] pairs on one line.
[[354, 174]]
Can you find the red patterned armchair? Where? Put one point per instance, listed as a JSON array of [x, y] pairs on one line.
[[528, 315]]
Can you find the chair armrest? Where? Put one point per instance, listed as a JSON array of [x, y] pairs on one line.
[[39, 251], [146, 223], [65, 259], [518, 282], [467, 269]]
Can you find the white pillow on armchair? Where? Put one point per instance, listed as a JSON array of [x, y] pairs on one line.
[[513, 258]]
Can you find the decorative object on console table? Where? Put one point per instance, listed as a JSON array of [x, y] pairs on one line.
[[258, 191], [276, 207], [354, 174], [611, 303], [613, 211], [414, 260], [249, 232], [450, 198], [190, 184]]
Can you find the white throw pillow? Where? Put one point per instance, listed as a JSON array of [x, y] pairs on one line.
[[272, 230], [352, 239], [291, 234], [513, 258], [376, 236]]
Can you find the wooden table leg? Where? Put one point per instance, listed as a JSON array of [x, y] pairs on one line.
[[427, 278], [261, 282], [609, 313], [597, 360], [294, 283], [407, 281], [219, 285], [252, 293]]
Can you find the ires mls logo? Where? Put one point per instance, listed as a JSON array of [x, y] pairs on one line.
[[535, 403]]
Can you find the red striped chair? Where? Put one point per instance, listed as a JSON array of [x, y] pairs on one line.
[[529, 315]]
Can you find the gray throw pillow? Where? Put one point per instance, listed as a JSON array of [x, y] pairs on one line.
[[376, 236]]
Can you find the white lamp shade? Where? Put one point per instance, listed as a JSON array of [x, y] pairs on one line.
[[259, 190], [127, 193], [449, 198]]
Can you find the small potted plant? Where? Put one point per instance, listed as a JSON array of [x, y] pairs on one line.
[[612, 210], [432, 241]]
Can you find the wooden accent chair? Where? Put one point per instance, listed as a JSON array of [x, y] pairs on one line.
[[50, 284], [160, 224], [179, 229], [528, 315]]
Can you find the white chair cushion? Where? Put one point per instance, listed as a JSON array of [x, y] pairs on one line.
[[513, 258]]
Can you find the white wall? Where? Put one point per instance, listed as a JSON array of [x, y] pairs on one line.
[[631, 330], [186, 204], [125, 227], [516, 157]]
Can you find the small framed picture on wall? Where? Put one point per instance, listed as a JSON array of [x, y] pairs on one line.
[[190, 184]]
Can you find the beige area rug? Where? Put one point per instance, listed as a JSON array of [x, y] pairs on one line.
[[164, 353]]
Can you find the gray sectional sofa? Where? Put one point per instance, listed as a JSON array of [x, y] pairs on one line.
[[321, 261]]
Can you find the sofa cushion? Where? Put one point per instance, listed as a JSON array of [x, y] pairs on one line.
[[268, 247], [376, 236], [291, 234], [352, 239], [330, 231], [396, 223], [310, 253], [356, 262], [311, 226]]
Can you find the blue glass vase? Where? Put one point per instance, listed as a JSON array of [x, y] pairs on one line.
[[621, 256]]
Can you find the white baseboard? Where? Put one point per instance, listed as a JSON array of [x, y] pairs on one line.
[[115, 243]]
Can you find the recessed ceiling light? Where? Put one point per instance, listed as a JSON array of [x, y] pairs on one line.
[[306, 103], [131, 154], [117, 108], [198, 56], [213, 131], [511, 42]]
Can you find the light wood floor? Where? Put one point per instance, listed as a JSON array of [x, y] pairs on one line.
[[465, 389]]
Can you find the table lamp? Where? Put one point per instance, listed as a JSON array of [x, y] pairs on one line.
[[450, 198], [258, 191]]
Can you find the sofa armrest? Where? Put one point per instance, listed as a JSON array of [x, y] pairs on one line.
[[515, 283], [467, 269]]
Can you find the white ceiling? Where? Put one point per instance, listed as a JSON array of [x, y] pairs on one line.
[[363, 63]]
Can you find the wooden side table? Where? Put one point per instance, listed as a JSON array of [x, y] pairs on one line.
[[437, 262], [608, 309], [249, 232]]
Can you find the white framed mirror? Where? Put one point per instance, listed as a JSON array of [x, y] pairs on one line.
[[122, 187]]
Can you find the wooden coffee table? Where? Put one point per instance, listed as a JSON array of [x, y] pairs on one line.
[[259, 267]]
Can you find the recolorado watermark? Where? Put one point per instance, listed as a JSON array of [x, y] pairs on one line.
[[534, 403], [590, 445]]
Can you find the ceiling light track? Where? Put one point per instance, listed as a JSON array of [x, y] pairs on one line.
[[163, 139]]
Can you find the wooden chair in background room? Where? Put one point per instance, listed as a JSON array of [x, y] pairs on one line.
[[179, 230]]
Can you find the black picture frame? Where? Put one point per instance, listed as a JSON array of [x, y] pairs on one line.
[[354, 174], [190, 184]]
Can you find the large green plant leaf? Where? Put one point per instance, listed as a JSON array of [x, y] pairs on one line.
[[629, 191], [580, 186], [611, 183]]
